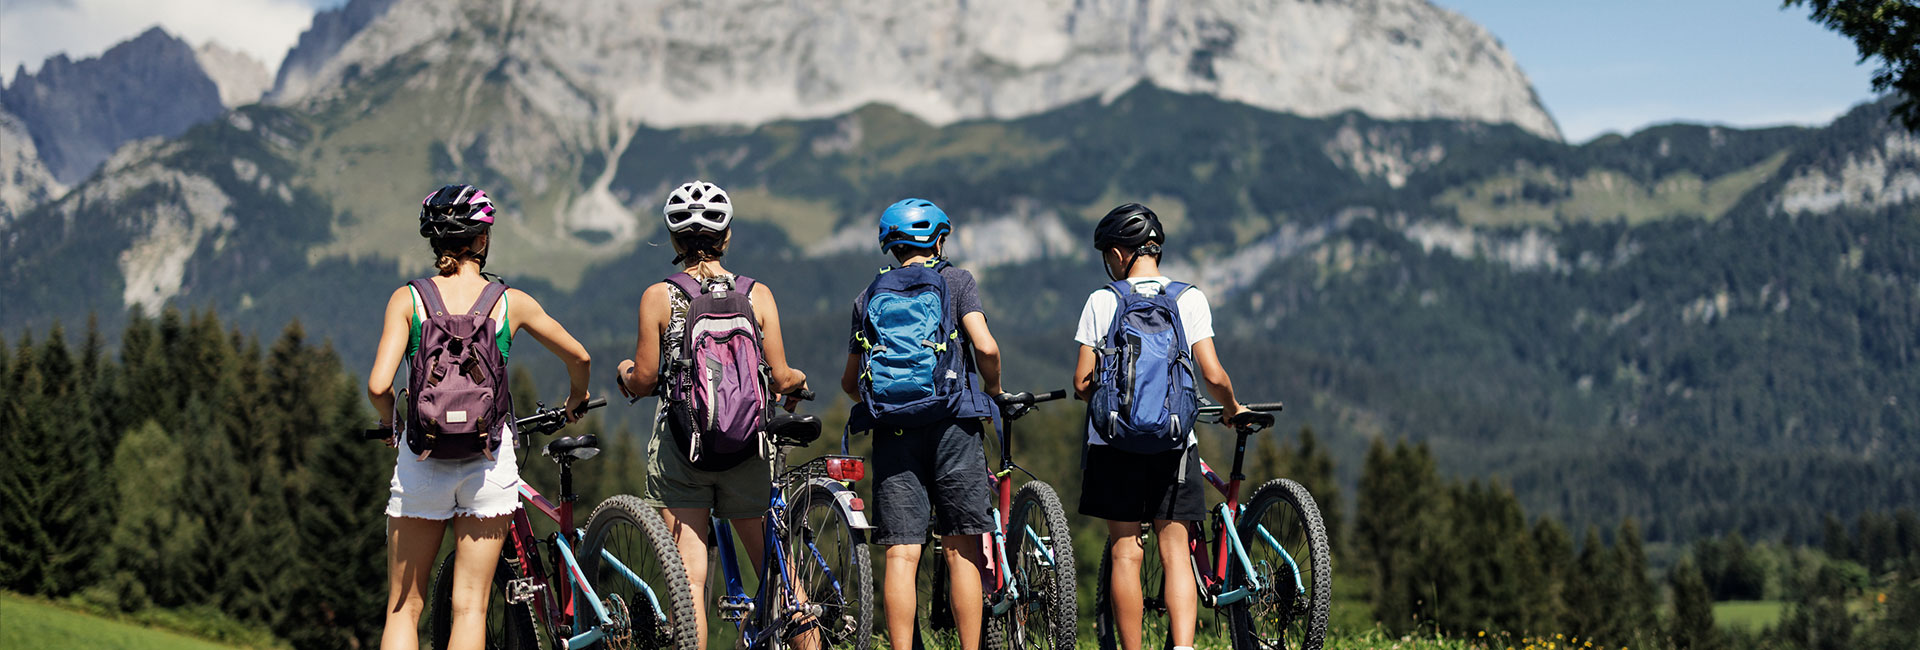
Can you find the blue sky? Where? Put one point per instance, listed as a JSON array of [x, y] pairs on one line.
[[1613, 65], [1624, 64]]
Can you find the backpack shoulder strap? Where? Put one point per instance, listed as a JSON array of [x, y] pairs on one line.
[[1121, 288], [429, 297], [483, 306], [743, 285], [1176, 289], [687, 284]]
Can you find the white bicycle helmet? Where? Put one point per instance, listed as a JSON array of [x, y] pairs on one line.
[[698, 205]]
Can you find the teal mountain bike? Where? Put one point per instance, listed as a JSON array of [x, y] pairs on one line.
[[1266, 566]]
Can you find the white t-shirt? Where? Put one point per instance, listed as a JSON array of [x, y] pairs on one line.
[[1196, 317]]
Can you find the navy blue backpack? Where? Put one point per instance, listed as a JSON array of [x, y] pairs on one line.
[[916, 363], [1144, 401]]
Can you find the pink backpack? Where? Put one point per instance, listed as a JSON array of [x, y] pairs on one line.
[[457, 390], [716, 389]]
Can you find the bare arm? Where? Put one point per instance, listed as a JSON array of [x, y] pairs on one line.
[[786, 379], [850, 378], [986, 351], [394, 326], [655, 306], [1083, 370], [530, 316], [1219, 385]]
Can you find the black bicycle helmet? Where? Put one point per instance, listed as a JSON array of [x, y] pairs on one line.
[[1128, 226], [456, 212]]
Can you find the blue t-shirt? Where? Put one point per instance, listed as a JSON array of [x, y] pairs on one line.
[[963, 297]]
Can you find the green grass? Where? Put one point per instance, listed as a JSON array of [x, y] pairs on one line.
[[1748, 615], [27, 623]]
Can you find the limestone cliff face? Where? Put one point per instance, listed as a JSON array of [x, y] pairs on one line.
[[24, 181], [749, 61]]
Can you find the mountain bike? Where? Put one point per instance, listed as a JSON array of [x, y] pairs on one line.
[[1269, 568], [1029, 581], [625, 589], [815, 531]]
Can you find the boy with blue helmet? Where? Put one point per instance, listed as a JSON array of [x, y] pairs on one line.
[[919, 338]]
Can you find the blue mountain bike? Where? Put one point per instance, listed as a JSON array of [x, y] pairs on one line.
[[817, 590]]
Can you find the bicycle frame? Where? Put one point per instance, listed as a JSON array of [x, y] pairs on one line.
[[1228, 549], [999, 582], [556, 608]]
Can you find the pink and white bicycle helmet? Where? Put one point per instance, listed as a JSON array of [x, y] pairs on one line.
[[698, 205], [456, 211]]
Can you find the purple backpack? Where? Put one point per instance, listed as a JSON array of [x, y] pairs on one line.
[[457, 390], [716, 388]]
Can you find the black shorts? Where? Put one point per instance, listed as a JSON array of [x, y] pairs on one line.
[[1122, 486], [940, 467]]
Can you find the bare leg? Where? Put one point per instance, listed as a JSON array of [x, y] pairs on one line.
[[476, 548], [1183, 601], [903, 566], [964, 559], [690, 532], [411, 545], [1124, 581]]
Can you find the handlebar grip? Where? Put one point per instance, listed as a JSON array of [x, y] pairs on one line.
[[1266, 406], [592, 404], [802, 394], [376, 434], [1048, 397]]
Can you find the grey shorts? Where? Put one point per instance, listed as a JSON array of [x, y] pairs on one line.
[[738, 492], [937, 473]]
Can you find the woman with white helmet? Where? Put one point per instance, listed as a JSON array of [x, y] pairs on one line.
[[688, 489]]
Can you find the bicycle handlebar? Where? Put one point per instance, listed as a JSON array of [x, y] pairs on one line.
[[1216, 409], [548, 420], [1015, 405]]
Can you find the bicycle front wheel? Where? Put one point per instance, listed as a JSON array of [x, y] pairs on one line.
[[831, 570], [1287, 544], [509, 625], [1040, 555], [630, 559]]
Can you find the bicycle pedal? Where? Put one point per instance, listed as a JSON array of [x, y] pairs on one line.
[[521, 591], [735, 608]]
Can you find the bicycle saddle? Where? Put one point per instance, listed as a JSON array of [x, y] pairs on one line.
[[574, 448], [794, 429], [1253, 420]]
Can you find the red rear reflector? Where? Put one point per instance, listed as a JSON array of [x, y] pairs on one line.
[[857, 504], [846, 469]]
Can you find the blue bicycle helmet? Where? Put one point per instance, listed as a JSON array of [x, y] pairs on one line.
[[913, 222]]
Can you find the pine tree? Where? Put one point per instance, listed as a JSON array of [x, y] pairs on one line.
[[1553, 555], [21, 472], [1692, 627], [152, 540], [340, 521], [1590, 594], [1633, 613]]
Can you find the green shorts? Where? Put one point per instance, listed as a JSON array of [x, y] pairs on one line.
[[672, 482]]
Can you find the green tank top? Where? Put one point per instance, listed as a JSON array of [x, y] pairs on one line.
[[503, 336]]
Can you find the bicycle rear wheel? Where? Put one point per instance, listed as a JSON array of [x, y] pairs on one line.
[[510, 626], [630, 559], [832, 569], [1040, 552], [1287, 543]]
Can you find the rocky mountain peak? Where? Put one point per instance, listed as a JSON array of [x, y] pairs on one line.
[[242, 79], [78, 112], [751, 61]]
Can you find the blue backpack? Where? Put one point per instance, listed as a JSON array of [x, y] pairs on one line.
[[1144, 401], [916, 363]]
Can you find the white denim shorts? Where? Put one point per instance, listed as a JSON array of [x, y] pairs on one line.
[[443, 489]]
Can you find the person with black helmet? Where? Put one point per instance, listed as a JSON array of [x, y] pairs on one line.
[[1140, 327], [476, 494]]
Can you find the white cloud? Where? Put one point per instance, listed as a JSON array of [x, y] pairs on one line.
[[32, 30]]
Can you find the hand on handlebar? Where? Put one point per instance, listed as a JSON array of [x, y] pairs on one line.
[[572, 411], [1232, 412], [794, 397]]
